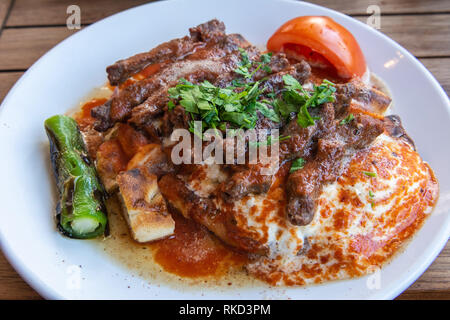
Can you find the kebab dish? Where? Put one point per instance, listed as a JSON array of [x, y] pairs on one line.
[[344, 189]]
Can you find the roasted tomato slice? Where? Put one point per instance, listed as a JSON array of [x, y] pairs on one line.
[[321, 40]]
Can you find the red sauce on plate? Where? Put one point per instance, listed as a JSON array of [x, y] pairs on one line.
[[194, 252], [84, 117]]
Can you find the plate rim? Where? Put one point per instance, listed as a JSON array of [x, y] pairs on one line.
[[27, 273]]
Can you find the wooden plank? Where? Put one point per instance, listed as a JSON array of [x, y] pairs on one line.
[[423, 35], [435, 282], [51, 12], [24, 47], [425, 295], [440, 68], [4, 7], [7, 80], [20, 48], [12, 286], [389, 7]]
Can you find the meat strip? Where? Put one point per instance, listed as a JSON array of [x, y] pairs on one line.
[[155, 103], [246, 179], [368, 99], [334, 153], [301, 141], [203, 210], [394, 128], [212, 30], [207, 63], [169, 51]]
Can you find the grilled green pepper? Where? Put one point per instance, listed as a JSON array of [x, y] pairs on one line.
[[80, 211]]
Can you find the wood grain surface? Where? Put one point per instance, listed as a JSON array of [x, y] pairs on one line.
[[29, 28]]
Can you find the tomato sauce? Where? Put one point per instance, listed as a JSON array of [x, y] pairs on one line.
[[83, 117], [143, 74], [194, 252]]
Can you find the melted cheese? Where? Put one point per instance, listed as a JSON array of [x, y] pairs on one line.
[[360, 222]]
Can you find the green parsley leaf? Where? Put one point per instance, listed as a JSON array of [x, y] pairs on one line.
[[291, 82], [245, 60], [266, 57], [171, 105], [244, 66], [347, 119], [240, 118], [267, 112], [297, 164], [268, 141], [370, 174], [304, 119], [284, 108]]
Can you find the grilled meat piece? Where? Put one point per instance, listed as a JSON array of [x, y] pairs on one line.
[[300, 71], [365, 99], [169, 51], [249, 178], [302, 140], [245, 179], [393, 126], [212, 30], [204, 211], [205, 64], [334, 153]]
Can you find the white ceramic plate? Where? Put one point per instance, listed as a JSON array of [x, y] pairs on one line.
[[60, 79]]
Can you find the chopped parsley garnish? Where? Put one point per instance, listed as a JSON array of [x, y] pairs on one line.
[[371, 195], [267, 112], [238, 105], [171, 105], [347, 119], [268, 141], [297, 164], [214, 106], [244, 67], [296, 99], [370, 174]]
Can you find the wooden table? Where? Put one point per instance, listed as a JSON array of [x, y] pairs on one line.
[[29, 28]]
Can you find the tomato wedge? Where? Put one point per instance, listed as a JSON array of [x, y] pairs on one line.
[[325, 37]]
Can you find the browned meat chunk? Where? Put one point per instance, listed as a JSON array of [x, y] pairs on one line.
[[205, 64], [171, 50], [203, 210], [111, 160], [394, 128], [248, 178], [301, 142], [212, 30], [334, 153], [245, 180], [365, 98], [300, 71]]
